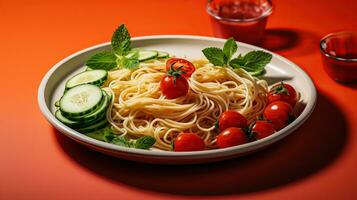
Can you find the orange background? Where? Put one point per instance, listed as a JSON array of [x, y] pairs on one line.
[[319, 161]]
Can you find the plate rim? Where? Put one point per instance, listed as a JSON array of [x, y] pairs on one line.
[[240, 149]]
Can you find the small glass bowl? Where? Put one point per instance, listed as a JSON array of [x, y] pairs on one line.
[[245, 20], [339, 55]]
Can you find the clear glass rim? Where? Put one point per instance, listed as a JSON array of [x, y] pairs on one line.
[[265, 14], [332, 35]]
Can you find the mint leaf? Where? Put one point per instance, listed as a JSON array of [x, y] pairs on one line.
[[130, 61], [253, 62], [104, 60], [145, 142], [258, 73], [115, 139], [237, 62], [215, 56], [121, 141], [96, 135], [230, 47], [106, 135], [121, 40]]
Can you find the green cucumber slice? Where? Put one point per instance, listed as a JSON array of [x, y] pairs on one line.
[[163, 54], [95, 77], [80, 100], [147, 55], [77, 124], [95, 114], [65, 120], [101, 124]]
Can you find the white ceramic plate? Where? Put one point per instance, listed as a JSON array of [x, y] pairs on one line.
[[52, 87]]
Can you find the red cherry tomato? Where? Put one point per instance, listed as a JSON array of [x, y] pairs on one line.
[[283, 92], [262, 129], [231, 118], [188, 142], [231, 137], [278, 113], [186, 66], [173, 89]]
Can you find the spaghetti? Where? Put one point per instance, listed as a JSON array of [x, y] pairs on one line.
[[139, 107]]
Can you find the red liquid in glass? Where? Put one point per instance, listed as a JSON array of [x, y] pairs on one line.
[[341, 65], [251, 26]]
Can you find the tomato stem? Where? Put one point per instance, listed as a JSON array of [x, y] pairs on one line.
[[281, 89], [176, 73]]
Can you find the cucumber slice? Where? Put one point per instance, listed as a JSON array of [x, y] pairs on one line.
[[95, 114], [77, 124], [95, 77], [147, 55], [101, 124], [163, 54], [80, 100], [65, 120]]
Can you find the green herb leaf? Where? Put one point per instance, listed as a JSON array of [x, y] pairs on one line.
[[121, 40], [107, 135], [115, 139], [258, 73], [104, 134], [215, 56], [254, 61], [104, 60], [121, 141], [130, 61], [96, 135], [230, 47], [145, 142]]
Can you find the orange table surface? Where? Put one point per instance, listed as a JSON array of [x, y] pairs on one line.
[[319, 161]]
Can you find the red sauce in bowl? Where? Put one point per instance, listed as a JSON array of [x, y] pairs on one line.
[[339, 54], [245, 20]]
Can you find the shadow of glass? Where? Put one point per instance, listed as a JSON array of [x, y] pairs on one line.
[[349, 85], [305, 152], [290, 42]]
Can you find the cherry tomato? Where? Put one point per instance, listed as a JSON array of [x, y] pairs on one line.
[[186, 66], [188, 142], [262, 129], [278, 113], [231, 118], [231, 137], [283, 92], [173, 85]]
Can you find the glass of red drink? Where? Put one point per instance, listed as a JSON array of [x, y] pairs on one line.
[[339, 55], [245, 20]]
